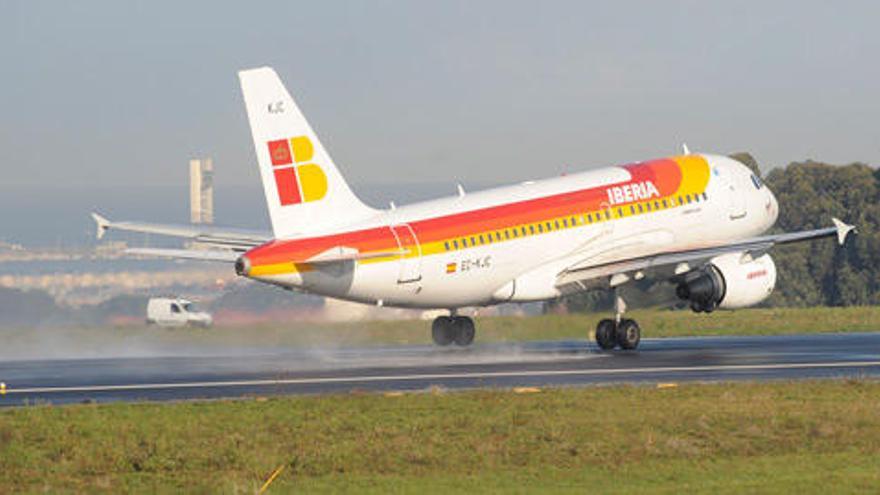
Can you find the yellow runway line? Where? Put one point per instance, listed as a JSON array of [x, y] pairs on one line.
[[2, 388], [526, 390], [270, 480], [667, 385]]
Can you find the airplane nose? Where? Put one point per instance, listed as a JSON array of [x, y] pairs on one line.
[[242, 266]]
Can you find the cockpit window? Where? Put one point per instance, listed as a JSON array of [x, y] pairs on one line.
[[757, 182]]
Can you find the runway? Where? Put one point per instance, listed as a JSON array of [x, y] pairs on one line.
[[414, 368]]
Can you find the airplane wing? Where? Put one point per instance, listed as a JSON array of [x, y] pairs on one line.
[[231, 239], [583, 276]]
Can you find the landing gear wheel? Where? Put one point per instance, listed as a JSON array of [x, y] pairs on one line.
[[628, 334], [605, 334], [443, 330], [464, 331]]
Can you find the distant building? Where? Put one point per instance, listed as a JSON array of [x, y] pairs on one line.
[[201, 190]]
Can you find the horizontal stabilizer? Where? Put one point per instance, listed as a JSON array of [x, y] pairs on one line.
[[235, 239], [186, 254]]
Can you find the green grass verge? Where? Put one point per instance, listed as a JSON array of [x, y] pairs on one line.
[[654, 323], [804, 437]]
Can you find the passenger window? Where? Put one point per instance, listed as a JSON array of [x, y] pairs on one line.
[[556, 224], [656, 205], [481, 239], [540, 228], [665, 205], [641, 209], [565, 222], [648, 206], [705, 198], [455, 244], [607, 214], [446, 245], [175, 308], [688, 198]]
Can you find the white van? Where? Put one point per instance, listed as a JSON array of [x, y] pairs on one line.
[[176, 312]]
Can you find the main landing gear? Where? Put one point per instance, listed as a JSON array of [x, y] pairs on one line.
[[459, 330], [619, 332]]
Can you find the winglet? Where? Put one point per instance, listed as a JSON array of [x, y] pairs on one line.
[[684, 149], [102, 223], [843, 230]]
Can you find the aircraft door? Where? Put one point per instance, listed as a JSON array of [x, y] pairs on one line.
[[411, 260], [738, 196]]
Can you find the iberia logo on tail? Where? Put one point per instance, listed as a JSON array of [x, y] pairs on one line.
[[297, 180]]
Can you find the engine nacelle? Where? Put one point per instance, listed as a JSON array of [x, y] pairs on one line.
[[728, 282]]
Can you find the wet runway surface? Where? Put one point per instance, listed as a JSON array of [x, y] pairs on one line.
[[413, 368]]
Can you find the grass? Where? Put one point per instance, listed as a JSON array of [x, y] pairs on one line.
[[794, 437], [654, 323]]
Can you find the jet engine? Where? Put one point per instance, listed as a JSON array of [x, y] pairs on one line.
[[728, 281]]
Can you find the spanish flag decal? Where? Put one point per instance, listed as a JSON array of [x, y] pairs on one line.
[[450, 267]]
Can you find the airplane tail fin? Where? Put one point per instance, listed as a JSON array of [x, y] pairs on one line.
[[304, 190]]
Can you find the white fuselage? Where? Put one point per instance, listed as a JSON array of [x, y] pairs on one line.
[[525, 267]]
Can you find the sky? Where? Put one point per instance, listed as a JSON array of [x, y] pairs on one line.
[[123, 94]]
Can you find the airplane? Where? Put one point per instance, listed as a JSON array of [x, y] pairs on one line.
[[694, 220]]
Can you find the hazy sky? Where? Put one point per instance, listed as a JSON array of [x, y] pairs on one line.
[[125, 93]]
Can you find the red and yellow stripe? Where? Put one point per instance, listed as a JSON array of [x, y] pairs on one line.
[[675, 178]]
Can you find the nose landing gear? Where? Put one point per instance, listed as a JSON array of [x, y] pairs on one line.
[[446, 330]]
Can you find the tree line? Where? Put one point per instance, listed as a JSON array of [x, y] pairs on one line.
[[819, 273]]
